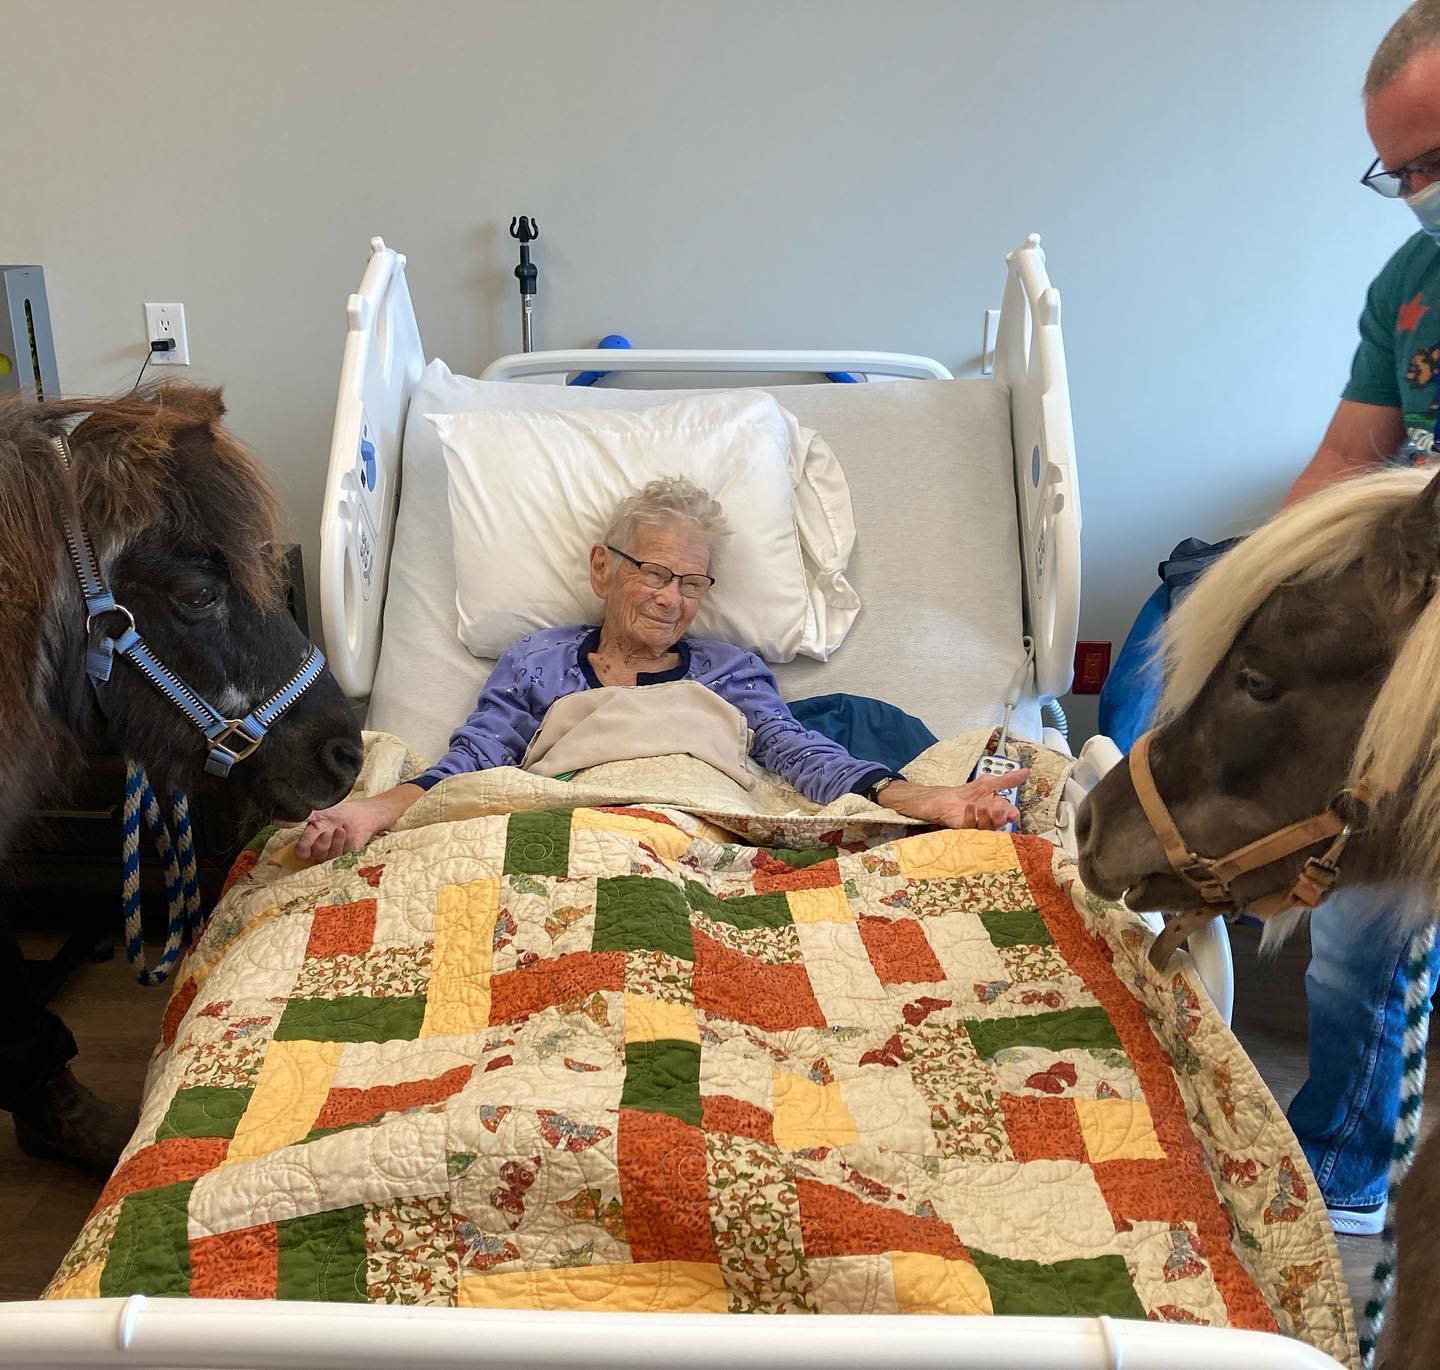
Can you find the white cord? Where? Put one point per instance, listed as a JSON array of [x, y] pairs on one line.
[[1017, 688]]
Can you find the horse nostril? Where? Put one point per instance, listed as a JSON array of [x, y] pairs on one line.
[[1084, 821], [342, 757]]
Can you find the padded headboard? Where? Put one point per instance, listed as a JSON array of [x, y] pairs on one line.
[[937, 559]]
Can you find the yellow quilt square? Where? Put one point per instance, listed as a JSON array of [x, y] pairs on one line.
[[668, 843], [931, 1284], [1118, 1130], [653, 1020], [807, 1114], [951, 853], [292, 1087], [653, 1287], [827, 904], [458, 997]]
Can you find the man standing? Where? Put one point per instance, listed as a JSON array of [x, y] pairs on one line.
[[1345, 1113]]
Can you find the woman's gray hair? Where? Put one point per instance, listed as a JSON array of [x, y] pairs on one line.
[[1414, 31], [663, 501]]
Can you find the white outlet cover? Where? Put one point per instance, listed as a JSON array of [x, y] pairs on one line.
[[167, 321]]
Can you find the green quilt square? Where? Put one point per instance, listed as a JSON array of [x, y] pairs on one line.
[[150, 1251], [1016, 928], [1085, 1028], [663, 1077], [204, 1111], [638, 913], [799, 858], [538, 843], [1085, 1288], [745, 911], [321, 1257], [351, 1019]]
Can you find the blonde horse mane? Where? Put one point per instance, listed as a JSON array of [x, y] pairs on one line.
[[1316, 539]]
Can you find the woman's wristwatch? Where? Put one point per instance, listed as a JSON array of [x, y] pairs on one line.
[[872, 793]]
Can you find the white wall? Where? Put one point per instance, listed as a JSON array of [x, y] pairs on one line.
[[728, 173]]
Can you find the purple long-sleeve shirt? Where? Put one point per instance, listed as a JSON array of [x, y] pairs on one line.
[[540, 668]]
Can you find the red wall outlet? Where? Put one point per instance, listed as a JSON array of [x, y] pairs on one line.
[[1092, 665]]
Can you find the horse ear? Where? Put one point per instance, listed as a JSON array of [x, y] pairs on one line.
[[1416, 549]]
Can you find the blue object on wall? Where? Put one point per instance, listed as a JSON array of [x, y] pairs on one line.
[[1131, 692]]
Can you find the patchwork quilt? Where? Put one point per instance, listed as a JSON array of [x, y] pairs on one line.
[[605, 1045]]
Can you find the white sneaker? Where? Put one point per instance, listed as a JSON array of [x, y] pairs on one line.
[[1363, 1221]]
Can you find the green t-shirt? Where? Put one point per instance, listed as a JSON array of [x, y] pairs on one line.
[[1398, 360]]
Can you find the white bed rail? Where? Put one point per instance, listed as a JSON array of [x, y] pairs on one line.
[[530, 365], [139, 1333], [1030, 359], [379, 370]]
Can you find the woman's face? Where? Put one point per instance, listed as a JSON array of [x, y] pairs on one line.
[[637, 614]]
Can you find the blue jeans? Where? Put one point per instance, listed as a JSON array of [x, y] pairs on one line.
[[1344, 1114]]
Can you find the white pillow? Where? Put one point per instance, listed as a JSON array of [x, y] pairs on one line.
[[530, 491]]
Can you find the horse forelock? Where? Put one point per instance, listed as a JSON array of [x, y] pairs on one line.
[[160, 459], [1319, 538]]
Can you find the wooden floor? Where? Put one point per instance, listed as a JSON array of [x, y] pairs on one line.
[[116, 1022]]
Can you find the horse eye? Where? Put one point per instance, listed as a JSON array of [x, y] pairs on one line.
[[1259, 687], [199, 599]]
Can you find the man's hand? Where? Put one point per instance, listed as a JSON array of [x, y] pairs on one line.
[[349, 825], [973, 805], [1361, 438]]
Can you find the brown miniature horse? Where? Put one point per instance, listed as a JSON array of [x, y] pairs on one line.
[[1304, 666], [184, 527]]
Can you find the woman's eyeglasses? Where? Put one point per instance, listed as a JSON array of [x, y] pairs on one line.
[[657, 577]]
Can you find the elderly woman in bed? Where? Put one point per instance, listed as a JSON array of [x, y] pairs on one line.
[[651, 569]]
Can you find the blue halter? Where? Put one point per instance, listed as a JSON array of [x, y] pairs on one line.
[[230, 739]]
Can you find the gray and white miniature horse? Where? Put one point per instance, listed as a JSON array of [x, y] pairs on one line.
[[1304, 666], [183, 525]]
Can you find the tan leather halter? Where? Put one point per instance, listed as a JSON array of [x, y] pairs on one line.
[[1211, 877]]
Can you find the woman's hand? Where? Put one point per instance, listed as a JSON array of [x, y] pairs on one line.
[[349, 825], [972, 805]]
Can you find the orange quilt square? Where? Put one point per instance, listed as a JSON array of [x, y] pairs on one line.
[[235, 1265], [770, 997], [666, 1188], [342, 929], [725, 1113], [898, 951], [167, 1161], [344, 1106], [771, 874], [1043, 1129], [519, 993], [836, 1223]]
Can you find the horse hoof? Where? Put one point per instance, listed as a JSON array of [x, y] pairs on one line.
[[66, 1122]]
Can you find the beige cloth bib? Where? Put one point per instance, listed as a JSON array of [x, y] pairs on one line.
[[627, 722]]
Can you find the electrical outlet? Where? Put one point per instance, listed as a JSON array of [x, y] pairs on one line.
[[167, 321]]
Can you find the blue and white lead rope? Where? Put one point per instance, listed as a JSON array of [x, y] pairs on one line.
[[182, 885], [1407, 1126]]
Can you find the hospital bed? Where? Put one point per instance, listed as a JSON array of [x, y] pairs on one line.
[[980, 475]]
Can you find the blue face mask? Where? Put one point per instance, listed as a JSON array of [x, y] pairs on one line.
[[1426, 204]]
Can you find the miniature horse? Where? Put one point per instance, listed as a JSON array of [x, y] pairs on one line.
[[1302, 687], [183, 526]]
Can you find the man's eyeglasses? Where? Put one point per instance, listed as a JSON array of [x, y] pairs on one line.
[[1401, 181], [657, 577]]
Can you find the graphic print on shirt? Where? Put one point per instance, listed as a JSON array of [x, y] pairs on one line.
[[1422, 377]]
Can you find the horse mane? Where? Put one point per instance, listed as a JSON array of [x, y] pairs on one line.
[[1314, 540], [156, 460]]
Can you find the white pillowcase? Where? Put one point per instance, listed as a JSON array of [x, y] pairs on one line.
[[530, 491]]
